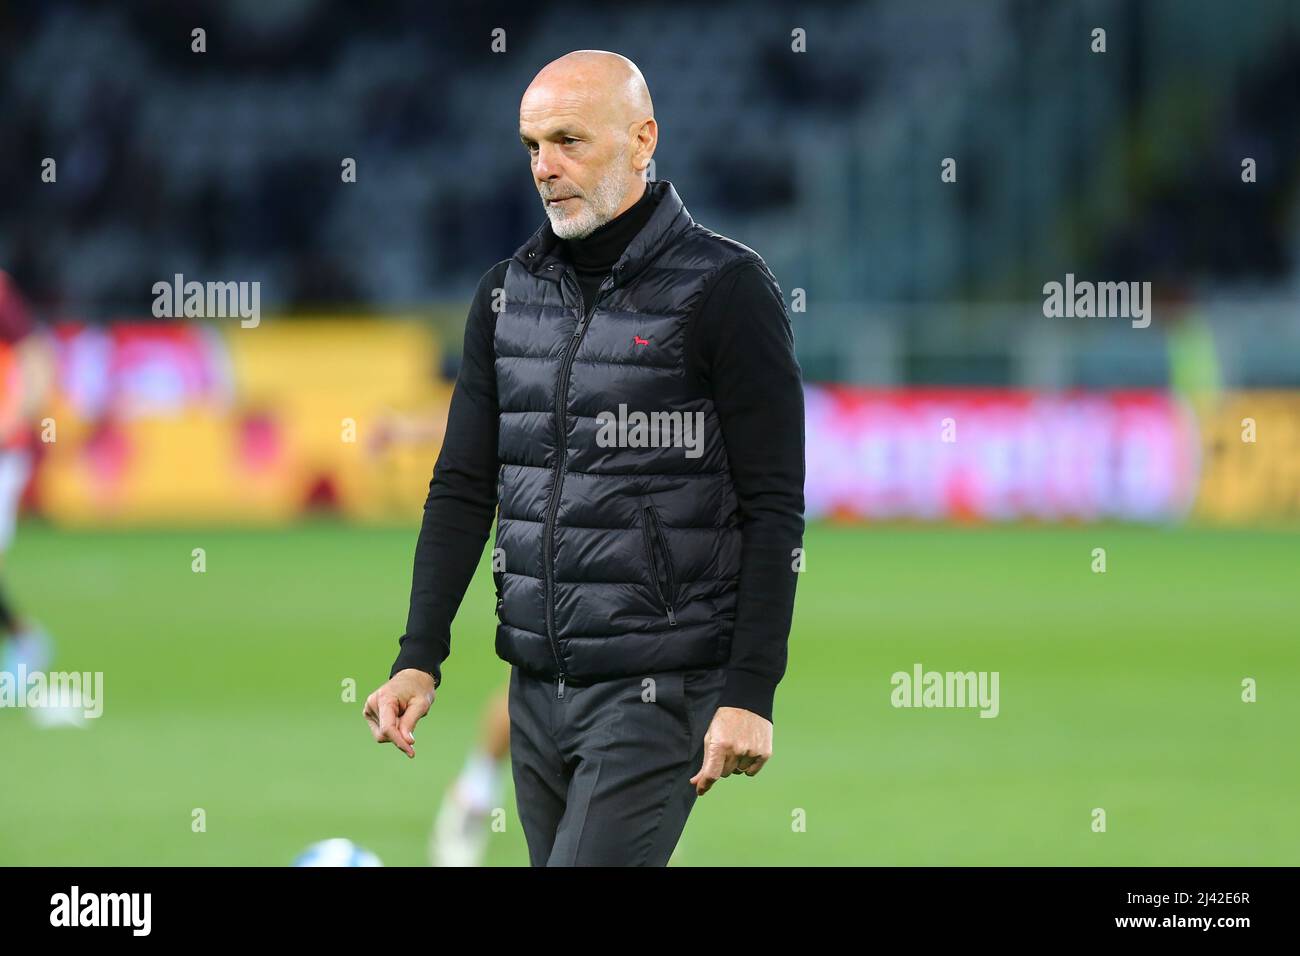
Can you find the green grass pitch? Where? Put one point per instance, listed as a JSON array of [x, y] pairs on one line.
[[1121, 691]]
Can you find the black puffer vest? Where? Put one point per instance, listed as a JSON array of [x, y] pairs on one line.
[[613, 561]]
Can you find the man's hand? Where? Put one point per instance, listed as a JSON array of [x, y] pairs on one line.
[[738, 741], [393, 710]]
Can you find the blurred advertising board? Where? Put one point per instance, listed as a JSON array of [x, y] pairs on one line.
[[1250, 458], [183, 423], [997, 455]]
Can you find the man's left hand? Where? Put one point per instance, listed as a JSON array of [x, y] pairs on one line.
[[738, 741]]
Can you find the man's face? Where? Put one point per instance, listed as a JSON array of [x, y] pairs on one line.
[[580, 165]]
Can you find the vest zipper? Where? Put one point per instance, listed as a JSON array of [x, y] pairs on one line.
[[654, 533], [561, 451]]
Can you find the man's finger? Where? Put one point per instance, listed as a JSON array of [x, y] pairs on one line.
[[755, 765], [710, 770], [388, 726], [371, 713], [415, 709], [729, 763]]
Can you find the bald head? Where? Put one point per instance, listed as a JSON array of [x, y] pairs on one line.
[[606, 85], [588, 123]]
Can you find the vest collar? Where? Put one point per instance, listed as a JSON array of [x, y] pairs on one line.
[[542, 256]]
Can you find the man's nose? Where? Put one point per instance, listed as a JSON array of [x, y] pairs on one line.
[[545, 163]]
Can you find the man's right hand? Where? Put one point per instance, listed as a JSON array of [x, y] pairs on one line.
[[393, 710]]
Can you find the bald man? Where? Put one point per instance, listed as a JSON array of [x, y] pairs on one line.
[[630, 407]]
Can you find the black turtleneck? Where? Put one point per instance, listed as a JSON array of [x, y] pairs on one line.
[[739, 353], [595, 254]]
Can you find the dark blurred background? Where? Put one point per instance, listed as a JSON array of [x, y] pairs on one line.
[[1117, 165]]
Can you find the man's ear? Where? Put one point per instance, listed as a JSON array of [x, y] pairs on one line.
[[647, 138]]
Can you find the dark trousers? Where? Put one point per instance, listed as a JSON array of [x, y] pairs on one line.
[[603, 774]]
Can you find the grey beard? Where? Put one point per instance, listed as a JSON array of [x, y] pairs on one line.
[[576, 227], [598, 209]]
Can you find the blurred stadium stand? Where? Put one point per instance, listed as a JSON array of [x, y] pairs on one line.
[[1117, 166]]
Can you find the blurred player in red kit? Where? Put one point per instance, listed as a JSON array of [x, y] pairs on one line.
[[26, 366]]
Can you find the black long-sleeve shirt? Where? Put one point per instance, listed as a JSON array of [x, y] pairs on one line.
[[740, 353]]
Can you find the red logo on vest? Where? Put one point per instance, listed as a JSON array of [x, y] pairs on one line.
[[637, 340]]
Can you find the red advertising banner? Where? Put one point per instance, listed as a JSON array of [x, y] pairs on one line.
[[994, 454]]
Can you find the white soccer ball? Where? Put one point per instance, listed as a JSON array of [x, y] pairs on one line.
[[336, 852]]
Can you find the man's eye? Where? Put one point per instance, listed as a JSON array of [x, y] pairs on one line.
[[570, 139]]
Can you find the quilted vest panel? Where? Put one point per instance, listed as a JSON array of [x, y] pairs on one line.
[[619, 534]]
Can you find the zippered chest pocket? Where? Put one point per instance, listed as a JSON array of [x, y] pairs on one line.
[[661, 560]]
